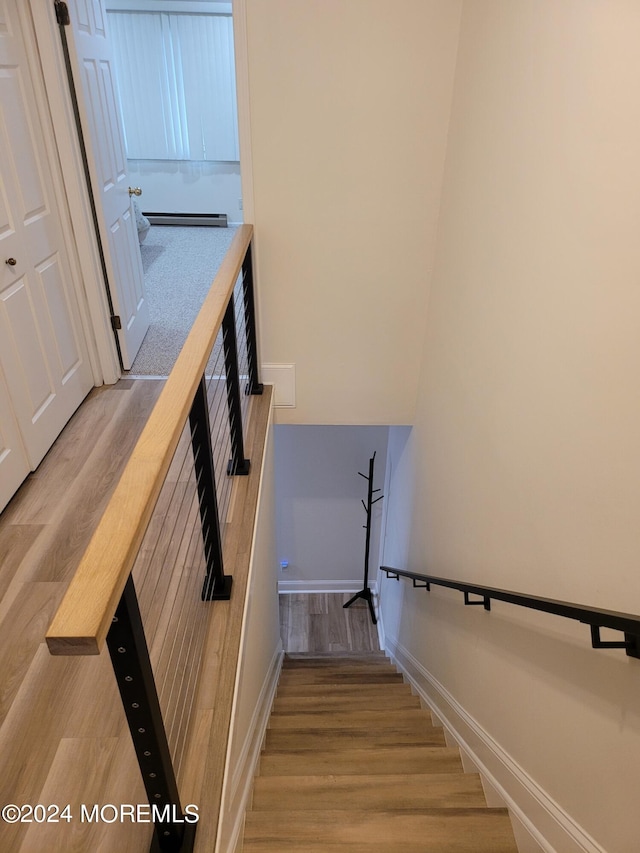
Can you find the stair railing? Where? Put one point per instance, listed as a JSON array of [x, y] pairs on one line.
[[596, 618], [101, 604]]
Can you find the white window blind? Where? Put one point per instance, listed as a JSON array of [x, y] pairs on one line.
[[176, 77]]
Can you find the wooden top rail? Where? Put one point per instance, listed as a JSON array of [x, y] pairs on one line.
[[86, 612]]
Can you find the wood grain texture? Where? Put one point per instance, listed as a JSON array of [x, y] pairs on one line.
[[359, 768], [83, 619], [370, 791], [318, 622], [403, 831], [17, 540], [369, 718], [111, 761], [348, 675], [57, 715], [32, 609], [63, 735], [356, 761], [363, 691], [222, 646], [281, 740]]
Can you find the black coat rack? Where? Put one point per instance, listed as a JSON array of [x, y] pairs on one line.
[[365, 592]]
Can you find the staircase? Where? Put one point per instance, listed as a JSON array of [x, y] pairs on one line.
[[352, 763]]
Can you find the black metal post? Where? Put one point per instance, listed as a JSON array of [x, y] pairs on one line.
[[237, 464], [132, 667], [217, 585], [254, 386]]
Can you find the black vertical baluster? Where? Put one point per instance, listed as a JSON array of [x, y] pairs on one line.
[[237, 464], [217, 585], [254, 386], [132, 667]]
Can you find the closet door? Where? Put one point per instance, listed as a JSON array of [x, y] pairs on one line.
[[14, 465], [43, 356]]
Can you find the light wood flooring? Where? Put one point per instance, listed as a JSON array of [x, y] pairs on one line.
[[49, 725], [63, 734], [317, 622], [352, 763]]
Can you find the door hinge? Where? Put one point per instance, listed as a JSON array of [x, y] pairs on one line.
[[62, 13], [116, 323]]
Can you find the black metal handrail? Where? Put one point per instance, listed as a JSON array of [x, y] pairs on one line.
[[595, 617]]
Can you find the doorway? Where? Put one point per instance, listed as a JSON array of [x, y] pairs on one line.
[[175, 69], [179, 177]]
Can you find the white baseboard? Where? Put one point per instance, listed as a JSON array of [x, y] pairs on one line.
[[241, 779], [353, 586], [540, 824]]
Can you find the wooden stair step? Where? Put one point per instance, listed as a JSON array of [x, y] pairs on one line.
[[349, 719], [334, 658], [380, 792], [330, 678], [391, 688], [335, 701], [362, 769], [356, 762], [429, 831], [297, 739], [363, 668], [301, 661]]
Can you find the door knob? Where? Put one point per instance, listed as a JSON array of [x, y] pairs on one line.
[[11, 262], [135, 191]]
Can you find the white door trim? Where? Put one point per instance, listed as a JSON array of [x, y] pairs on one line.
[[241, 49], [243, 99], [78, 225]]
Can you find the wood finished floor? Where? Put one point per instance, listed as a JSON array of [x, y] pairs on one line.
[[318, 622], [63, 734], [58, 715]]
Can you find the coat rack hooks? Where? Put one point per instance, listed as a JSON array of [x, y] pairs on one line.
[[365, 592]]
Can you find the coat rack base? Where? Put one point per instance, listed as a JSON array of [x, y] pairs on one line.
[[365, 594]]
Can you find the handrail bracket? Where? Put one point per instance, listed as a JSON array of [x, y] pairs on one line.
[[484, 602], [631, 642]]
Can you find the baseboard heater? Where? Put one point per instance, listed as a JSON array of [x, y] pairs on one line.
[[218, 220]]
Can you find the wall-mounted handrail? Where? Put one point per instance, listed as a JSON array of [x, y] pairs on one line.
[[85, 615], [595, 617]]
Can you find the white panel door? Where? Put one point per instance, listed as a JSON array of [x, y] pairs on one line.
[[42, 350], [14, 465], [94, 76]]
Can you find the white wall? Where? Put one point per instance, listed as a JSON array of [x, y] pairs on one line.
[[522, 468], [320, 516], [179, 186], [348, 106], [259, 662]]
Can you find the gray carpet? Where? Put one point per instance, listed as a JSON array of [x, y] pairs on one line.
[[179, 264]]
